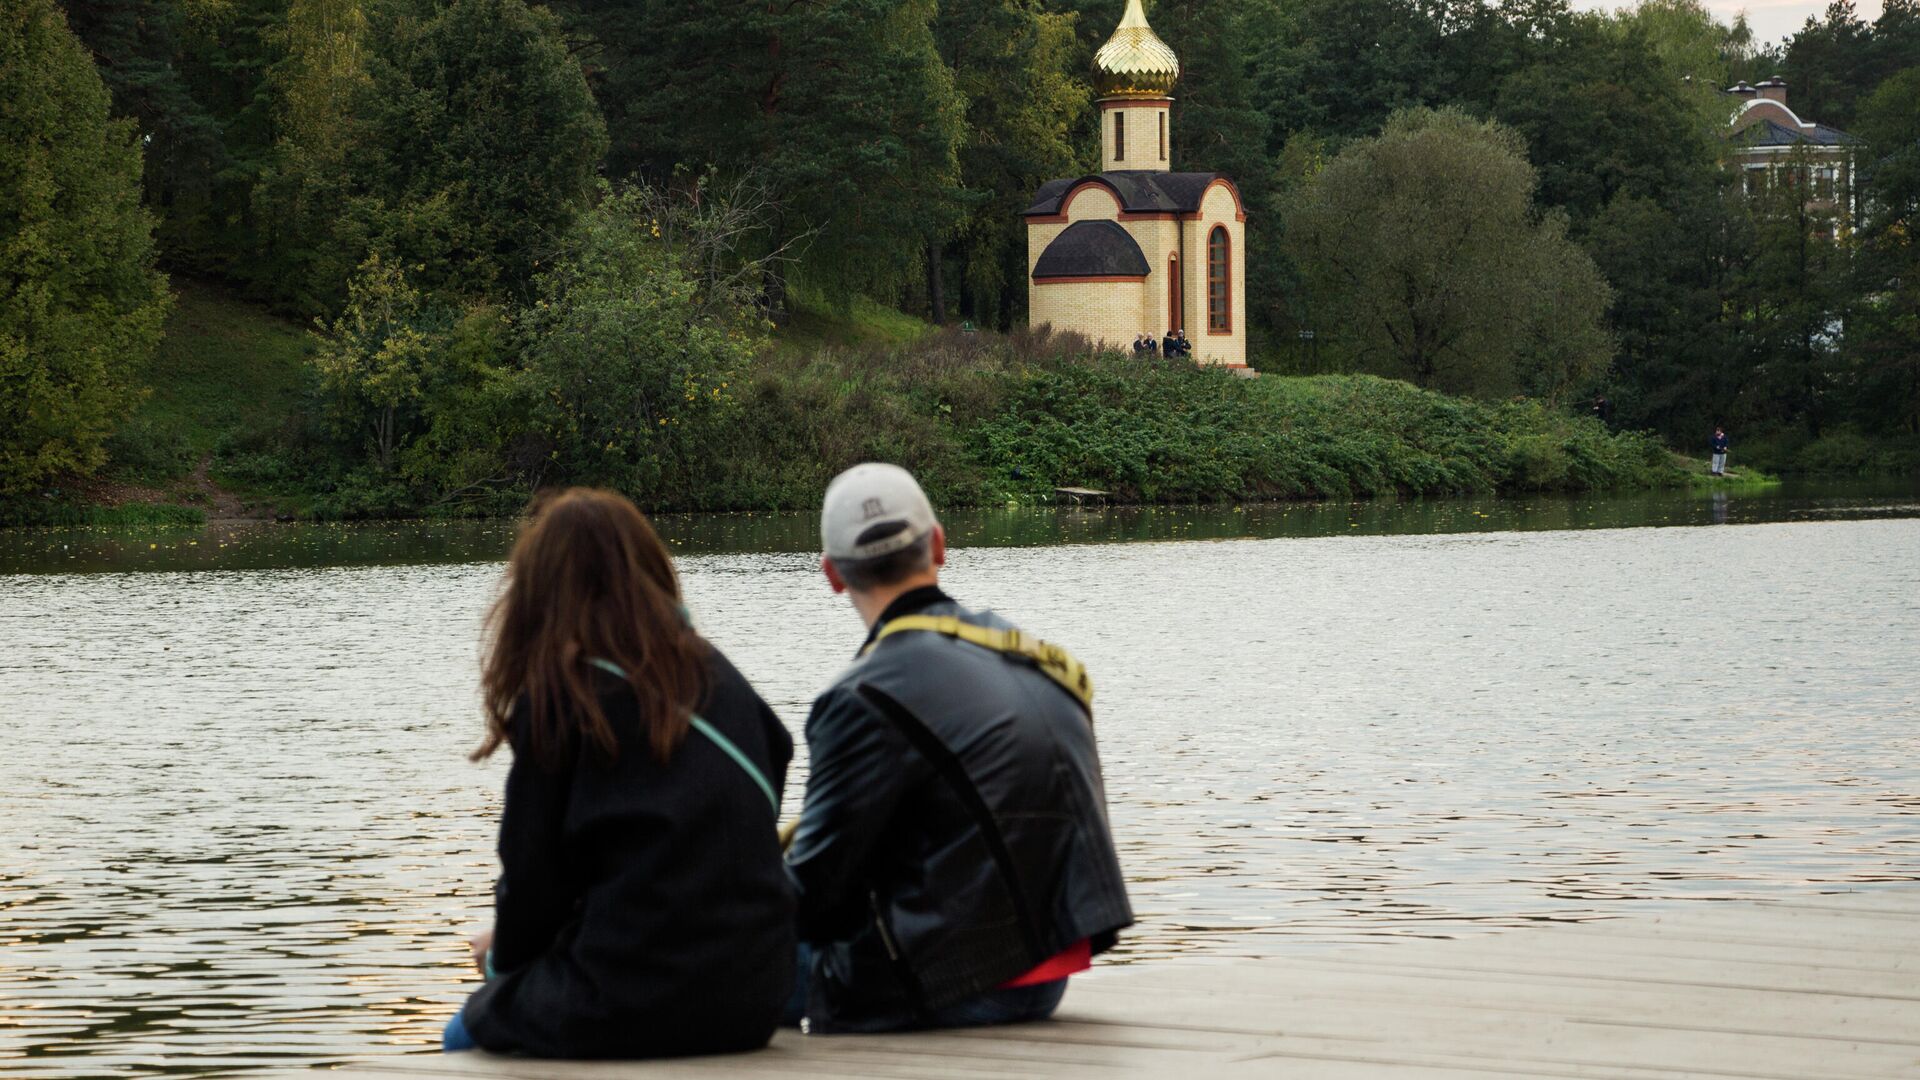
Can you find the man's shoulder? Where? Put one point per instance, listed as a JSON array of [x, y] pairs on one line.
[[911, 634], [909, 647]]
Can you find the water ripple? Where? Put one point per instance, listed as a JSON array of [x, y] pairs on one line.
[[241, 832]]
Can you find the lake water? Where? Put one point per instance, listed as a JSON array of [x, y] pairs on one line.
[[239, 829]]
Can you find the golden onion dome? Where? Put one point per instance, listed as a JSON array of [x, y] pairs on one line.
[[1135, 63]]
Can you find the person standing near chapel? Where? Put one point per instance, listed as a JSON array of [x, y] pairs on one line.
[[1720, 443], [953, 859]]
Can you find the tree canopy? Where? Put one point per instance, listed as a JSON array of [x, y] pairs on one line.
[[312, 155], [1425, 258], [80, 303]]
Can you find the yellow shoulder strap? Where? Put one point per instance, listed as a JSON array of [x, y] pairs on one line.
[[1053, 661]]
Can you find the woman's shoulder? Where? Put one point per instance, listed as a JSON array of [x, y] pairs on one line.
[[727, 688], [720, 669], [730, 697]]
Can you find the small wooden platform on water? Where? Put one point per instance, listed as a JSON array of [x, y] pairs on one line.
[[1826, 987]]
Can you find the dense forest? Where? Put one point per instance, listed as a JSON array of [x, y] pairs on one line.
[[563, 242]]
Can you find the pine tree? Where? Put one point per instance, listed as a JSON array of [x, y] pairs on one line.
[[1017, 68], [841, 111], [139, 48], [477, 144], [80, 304]]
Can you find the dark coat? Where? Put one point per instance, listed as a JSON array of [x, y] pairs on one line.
[[642, 910], [892, 861]]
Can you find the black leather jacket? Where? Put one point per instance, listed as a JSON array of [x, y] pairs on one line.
[[902, 888]]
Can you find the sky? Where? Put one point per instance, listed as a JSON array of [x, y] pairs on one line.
[[1771, 19]]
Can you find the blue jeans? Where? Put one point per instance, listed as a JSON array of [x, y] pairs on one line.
[[455, 1038], [998, 1006]]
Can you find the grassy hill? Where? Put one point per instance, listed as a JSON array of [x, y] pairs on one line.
[[228, 429], [226, 371], [225, 368], [817, 324]]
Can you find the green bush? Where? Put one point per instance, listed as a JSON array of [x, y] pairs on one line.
[[574, 389], [40, 511], [1837, 452], [631, 368], [1538, 462], [1160, 432]]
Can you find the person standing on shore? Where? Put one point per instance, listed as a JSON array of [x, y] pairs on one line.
[[642, 909], [1720, 443], [953, 857]]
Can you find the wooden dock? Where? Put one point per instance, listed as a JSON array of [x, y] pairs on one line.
[[1826, 987]]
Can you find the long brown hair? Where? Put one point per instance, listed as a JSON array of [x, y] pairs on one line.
[[589, 580]]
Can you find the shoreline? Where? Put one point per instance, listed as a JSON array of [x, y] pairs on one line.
[[130, 505]]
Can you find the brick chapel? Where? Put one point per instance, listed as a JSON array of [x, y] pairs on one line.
[[1139, 248]]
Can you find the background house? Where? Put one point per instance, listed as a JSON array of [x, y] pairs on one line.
[[1773, 146]]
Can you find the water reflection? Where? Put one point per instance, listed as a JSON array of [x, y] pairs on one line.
[[241, 831], [269, 546]]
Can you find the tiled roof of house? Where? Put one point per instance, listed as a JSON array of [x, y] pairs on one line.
[[1141, 191], [1768, 133], [1091, 249]]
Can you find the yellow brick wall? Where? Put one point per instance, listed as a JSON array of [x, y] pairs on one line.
[[1142, 150], [1156, 239], [1218, 208], [1109, 311]]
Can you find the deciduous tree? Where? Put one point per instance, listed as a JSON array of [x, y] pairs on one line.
[[1426, 259], [80, 303], [631, 370], [1885, 336]]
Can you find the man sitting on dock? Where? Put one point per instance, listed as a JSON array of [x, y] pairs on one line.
[[952, 856]]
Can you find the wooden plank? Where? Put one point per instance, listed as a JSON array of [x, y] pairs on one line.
[[1852, 947], [1789, 924], [1870, 903], [1246, 1001], [1825, 987], [1498, 1032], [1573, 961], [1623, 943]]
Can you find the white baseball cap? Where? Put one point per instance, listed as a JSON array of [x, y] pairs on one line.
[[873, 510]]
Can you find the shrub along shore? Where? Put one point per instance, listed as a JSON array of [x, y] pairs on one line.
[[235, 427]]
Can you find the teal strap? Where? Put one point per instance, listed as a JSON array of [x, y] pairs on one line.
[[740, 756], [713, 735], [487, 968]]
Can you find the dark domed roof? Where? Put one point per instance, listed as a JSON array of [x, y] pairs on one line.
[[1091, 249]]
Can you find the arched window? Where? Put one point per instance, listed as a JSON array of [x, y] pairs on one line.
[[1219, 282], [1163, 134], [1119, 134]]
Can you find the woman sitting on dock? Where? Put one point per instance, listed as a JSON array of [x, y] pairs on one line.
[[642, 908]]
